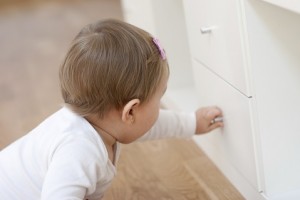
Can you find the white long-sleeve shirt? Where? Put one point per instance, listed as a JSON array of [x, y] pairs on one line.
[[65, 158]]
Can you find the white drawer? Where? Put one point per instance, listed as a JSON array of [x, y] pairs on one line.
[[234, 142], [220, 49]]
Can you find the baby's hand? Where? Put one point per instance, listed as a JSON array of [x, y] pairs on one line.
[[205, 119]]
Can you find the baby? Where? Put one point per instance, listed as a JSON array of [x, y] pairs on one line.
[[112, 80]]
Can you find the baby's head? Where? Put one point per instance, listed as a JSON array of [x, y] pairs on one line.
[[110, 63]]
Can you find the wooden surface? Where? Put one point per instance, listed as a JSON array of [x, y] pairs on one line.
[[169, 170], [34, 38]]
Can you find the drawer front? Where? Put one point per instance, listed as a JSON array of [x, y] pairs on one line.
[[215, 39], [234, 142]]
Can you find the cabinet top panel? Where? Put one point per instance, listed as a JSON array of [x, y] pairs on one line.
[[292, 5]]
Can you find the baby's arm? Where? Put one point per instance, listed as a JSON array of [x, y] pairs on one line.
[[183, 125], [172, 124]]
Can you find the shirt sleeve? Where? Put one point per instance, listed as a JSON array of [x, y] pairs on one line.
[[74, 170], [171, 124]]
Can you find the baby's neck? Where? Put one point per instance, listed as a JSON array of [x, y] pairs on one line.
[[108, 139]]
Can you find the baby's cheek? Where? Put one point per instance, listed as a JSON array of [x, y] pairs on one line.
[[156, 115]]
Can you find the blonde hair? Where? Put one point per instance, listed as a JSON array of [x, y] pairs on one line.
[[109, 63]]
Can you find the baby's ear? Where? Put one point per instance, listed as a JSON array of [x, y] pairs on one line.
[[128, 113]]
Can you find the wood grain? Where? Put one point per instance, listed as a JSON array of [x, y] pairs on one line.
[[168, 169]]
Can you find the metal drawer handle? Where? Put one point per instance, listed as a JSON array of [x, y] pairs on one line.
[[206, 29]]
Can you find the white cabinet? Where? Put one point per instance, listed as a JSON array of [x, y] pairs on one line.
[[221, 78], [235, 141], [267, 44], [217, 44], [274, 47]]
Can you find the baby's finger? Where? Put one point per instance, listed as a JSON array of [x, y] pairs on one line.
[[216, 119], [214, 112], [216, 125]]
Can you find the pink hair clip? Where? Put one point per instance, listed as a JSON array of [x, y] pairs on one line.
[[161, 50]]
